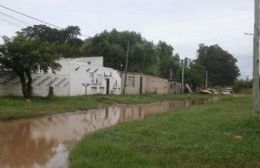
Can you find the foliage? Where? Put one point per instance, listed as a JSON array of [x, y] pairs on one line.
[[144, 57], [242, 84], [194, 73], [168, 61], [36, 48], [69, 45], [25, 56], [220, 65], [217, 135]]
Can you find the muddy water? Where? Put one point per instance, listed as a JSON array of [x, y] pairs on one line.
[[45, 142]]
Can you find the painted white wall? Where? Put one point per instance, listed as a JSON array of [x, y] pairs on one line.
[[12, 87], [93, 80], [79, 76], [90, 78]]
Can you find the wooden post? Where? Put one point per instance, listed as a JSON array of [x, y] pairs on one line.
[[206, 80], [182, 78], [126, 66]]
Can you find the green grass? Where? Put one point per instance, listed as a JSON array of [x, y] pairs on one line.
[[15, 107], [199, 136]]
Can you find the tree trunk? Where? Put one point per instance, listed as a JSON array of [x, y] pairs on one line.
[[23, 83], [26, 82], [29, 85]]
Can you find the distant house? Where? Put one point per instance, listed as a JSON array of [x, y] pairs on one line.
[[139, 83], [78, 76]]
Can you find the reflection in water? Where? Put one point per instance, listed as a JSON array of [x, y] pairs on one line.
[[44, 142]]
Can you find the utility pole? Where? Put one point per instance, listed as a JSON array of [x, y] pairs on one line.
[[182, 78], [126, 66], [206, 80], [256, 99], [171, 73]]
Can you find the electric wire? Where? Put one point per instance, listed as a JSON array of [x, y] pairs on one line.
[[14, 18], [34, 18]]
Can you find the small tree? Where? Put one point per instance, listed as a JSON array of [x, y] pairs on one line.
[[25, 56]]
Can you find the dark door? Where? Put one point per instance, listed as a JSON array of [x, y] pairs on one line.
[[108, 86], [141, 85]]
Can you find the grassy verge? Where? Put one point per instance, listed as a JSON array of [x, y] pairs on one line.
[[14, 107], [217, 135]]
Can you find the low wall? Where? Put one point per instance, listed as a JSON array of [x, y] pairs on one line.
[[175, 88], [156, 85], [10, 84]]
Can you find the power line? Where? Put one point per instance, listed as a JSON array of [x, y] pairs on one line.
[[31, 17], [36, 19], [14, 18], [10, 22]]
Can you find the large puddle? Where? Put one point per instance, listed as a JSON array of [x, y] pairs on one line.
[[45, 142]]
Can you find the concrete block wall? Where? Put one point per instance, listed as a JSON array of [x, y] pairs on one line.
[[174, 87], [137, 83], [156, 85], [150, 84]]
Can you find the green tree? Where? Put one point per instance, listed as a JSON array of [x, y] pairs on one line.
[[167, 60], [69, 45], [25, 56], [194, 74], [113, 46], [144, 57], [243, 85], [220, 64]]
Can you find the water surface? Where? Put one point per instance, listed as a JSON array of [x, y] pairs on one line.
[[45, 142]]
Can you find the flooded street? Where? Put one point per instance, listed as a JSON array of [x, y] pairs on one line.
[[45, 142]]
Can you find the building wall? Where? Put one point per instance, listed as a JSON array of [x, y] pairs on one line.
[[174, 88], [76, 77], [133, 83], [10, 84], [150, 84], [89, 80], [156, 85]]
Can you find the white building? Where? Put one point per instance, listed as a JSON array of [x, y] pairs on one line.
[[78, 76]]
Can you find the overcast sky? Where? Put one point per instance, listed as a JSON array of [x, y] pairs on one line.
[[182, 23]]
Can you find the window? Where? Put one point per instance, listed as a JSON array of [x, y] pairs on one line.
[[94, 89], [101, 89], [171, 86], [130, 81], [91, 74]]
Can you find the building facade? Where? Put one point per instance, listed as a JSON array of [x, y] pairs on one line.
[[79, 76], [139, 83], [175, 87]]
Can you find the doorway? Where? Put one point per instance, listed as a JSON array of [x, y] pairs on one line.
[[108, 86], [141, 85]]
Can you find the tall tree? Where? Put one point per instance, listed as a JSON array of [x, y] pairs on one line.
[[67, 39], [220, 64], [168, 61], [25, 56], [145, 56]]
